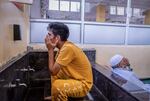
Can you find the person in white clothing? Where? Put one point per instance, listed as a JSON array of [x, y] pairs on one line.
[[121, 66]]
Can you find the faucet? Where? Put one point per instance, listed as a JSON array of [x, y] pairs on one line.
[[16, 84], [31, 69], [26, 69], [11, 85], [23, 84]]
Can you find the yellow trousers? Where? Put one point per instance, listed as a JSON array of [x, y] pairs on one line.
[[62, 89]]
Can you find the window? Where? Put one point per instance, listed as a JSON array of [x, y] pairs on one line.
[[136, 12], [120, 10], [140, 12], [113, 10], [53, 5], [75, 7], [101, 11], [110, 11], [64, 6], [56, 9], [64, 10], [88, 7]]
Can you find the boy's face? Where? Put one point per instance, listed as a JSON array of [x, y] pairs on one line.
[[52, 37]]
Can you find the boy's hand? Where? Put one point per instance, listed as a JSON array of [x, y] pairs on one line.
[[49, 43]]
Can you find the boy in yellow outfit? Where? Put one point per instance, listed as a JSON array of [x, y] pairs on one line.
[[71, 71]]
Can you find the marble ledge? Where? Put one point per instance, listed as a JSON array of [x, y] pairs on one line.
[[45, 50], [131, 88], [12, 60]]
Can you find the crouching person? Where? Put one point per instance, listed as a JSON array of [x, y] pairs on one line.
[[71, 72]]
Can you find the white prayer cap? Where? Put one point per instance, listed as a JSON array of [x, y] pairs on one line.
[[116, 59]]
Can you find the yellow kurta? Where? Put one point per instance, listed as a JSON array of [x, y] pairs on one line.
[[75, 77]]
